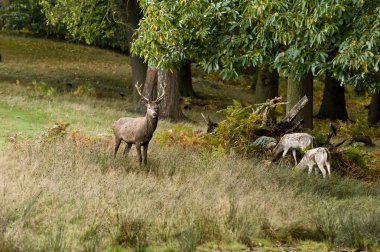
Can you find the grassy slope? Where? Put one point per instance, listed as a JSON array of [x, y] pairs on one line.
[[70, 195]]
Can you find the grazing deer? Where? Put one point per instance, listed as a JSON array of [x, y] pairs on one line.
[[138, 131], [292, 142], [319, 156]]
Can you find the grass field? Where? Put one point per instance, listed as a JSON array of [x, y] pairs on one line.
[[66, 193]]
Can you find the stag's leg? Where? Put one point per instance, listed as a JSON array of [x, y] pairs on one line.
[[138, 148], [145, 153], [294, 155], [127, 149], [117, 145]]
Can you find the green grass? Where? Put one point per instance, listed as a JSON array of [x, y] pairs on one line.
[[69, 194], [58, 63]]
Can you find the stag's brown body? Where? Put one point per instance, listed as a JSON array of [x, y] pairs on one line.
[[138, 131]]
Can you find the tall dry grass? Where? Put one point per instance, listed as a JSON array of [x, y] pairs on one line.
[[70, 195]]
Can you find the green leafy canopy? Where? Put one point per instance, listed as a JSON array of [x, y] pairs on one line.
[[295, 37]]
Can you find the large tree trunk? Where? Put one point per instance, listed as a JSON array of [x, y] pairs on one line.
[[170, 106], [296, 90], [185, 81], [266, 85], [374, 109], [150, 88], [333, 103], [132, 16]]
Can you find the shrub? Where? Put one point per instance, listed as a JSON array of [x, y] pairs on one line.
[[242, 124], [42, 88], [85, 90], [58, 130], [185, 136]]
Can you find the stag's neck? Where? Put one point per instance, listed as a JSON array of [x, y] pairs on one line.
[[151, 123]]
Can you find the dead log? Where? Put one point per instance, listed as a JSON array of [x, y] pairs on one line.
[[361, 139], [295, 110]]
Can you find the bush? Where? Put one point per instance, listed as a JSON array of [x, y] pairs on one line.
[[85, 90], [58, 130], [42, 88], [185, 136], [241, 125]]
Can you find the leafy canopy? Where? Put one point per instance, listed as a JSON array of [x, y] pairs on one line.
[[295, 37]]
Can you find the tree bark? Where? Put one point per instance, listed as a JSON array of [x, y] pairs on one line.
[[333, 102], [185, 81], [374, 109], [132, 16], [254, 80], [170, 106], [150, 88], [266, 85], [295, 91]]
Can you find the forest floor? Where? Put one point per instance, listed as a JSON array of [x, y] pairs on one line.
[[61, 190]]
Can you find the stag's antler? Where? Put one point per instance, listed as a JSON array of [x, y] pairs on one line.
[[139, 91], [159, 99]]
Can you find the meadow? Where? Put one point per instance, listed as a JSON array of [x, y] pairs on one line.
[[61, 189]]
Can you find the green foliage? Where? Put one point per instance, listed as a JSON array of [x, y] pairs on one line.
[[23, 14], [85, 90], [356, 157], [355, 162], [236, 130], [95, 22], [296, 38], [42, 87]]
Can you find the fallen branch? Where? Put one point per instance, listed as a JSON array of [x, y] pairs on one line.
[[295, 110]]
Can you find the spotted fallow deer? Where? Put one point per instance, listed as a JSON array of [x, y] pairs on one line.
[[318, 156], [293, 142], [138, 131]]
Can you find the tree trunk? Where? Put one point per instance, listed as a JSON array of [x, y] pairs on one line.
[[150, 88], [254, 80], [333, 103], [266, 85], [185, 81], [132, 16], [296, 90], [251, 72], [374, 109], [170, 106]]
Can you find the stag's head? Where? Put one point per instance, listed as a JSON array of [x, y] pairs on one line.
[[152, 107]]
